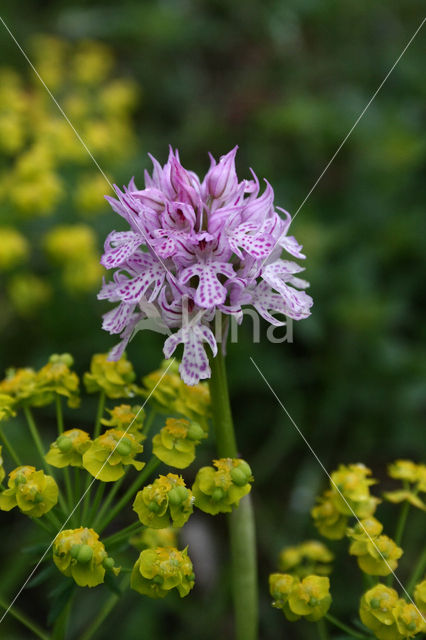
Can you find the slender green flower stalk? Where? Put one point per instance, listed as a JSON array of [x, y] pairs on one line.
[[241, 520], [10, 448], [25, 621]]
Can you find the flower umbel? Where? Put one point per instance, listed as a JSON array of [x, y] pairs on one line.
[[166, 502], [108, 454], [194, 248], [33, 492], [218, 490]]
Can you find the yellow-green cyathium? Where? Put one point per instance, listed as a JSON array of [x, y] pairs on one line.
[[176, 442], [68, 449], [109, 454], [33, 492], [219, 488], [164, 503], [158, 571]]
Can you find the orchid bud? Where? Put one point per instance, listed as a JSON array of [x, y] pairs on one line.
[[222, 179]]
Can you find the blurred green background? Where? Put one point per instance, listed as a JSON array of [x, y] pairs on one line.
[[285, 81]]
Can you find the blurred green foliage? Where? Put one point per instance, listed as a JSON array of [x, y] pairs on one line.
[[286, 81]]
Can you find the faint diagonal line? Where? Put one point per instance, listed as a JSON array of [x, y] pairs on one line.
[[345, 139], [55, 101], [336, 487], [82, 497], [135, 220]]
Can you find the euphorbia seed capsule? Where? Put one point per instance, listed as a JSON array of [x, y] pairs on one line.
[[64, 444]]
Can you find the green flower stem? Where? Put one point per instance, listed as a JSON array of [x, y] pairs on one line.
[[131, 491], [343, 627], [23, 619], [104, 612], [10, 449], [417, 573], [241, 520], [322, 629], [123, 534], [54, 521], [39, 446], [97, 501], [60, 423], [100, 413], [110, 497], [149, 422], [96, 432], [77, 496], [60, 627], [402, 519], [59, 414]]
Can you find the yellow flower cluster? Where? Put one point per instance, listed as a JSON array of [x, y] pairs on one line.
[[158, 571], [308, 598], [389, 617], [28, 292], [73, 248], [377, 554], [349, 495], [109, 454], [78, 553], [307, 558], [164, 503], [115, 379], [26, 386], [176, 442], [6, 405], [219, 488], [174, 396], [33, 492], [413, 477]]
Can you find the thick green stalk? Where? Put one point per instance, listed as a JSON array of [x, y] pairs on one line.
[[322, 629], [241, 521], [23, 619], [129, 494], [10, 448]]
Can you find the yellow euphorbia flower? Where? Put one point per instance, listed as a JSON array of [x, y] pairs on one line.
[[80, 554], [68, 243], [420, 596], [403, 470], [376, 612], [123, 415], [351, 490], [310, 557], [176, 442], [14, 248], [159, 570], [376, 556], [57, 377], [330, 522], [6, 405], [68, 449], [151, 538], [218, 490], [114, 378], [280, 587], [310, 598], [32, 491], [110, 453], [408, 619], [28, 293], [166, 502], [22, 386]]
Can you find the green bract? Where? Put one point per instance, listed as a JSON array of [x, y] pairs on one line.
[[218, 490], [176, 442], [33, 492], [68, 449], [158, 571], [114, 378], [110, 452], [166, 502]]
